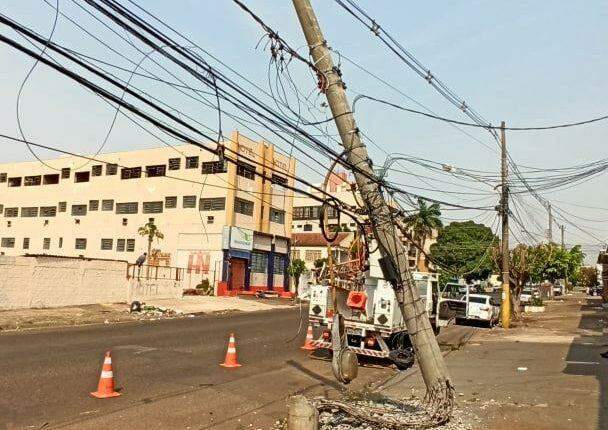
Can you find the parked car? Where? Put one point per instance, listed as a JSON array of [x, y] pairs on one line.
[[483, 308], [527, 294]]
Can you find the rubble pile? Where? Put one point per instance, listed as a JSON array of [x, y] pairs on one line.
[[152, 313]]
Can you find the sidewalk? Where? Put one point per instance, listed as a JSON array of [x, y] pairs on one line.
[[109, 313], [545, 374]]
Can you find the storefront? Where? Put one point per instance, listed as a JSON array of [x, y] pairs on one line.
[[253, 262]]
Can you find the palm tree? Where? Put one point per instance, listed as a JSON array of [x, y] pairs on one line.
[[423, 222], [149, 229]]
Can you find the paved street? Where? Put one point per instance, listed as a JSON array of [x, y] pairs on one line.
[[167, 370]]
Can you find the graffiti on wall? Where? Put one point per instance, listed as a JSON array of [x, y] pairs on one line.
[[198, 262]]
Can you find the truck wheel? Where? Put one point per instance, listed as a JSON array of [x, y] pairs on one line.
[[403, 358]]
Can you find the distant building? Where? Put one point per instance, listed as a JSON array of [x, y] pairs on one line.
[[306, 212], [222, 222]]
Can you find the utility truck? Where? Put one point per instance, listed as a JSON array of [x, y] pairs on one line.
[[373, 323]]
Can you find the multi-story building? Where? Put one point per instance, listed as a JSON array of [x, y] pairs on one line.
[[226, 222], [307, 230]]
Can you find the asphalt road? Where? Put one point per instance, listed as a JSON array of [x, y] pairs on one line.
[[167, 372]]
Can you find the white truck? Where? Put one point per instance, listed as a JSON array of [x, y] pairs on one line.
[[373, 322]]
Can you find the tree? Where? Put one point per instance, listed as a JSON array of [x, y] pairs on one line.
[[554, 262], [464, 249], [295, 269], [587, 277], [149, 229], [423, 222]]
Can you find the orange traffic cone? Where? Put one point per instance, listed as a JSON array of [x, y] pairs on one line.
[[105, 388], [308, 346], [230, 360]]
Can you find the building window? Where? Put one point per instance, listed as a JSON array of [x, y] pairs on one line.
[[243, 206], [120, 245], [60, 245], [50, 179], [81, 243], [82, 177], [153, 207], [175, 163], [96, 170], [11, 212], [125, 221], [46, 243], [7, 242], [30, 212], [280, 180], [107, 205], [212, 204], [277, 216], [210, 219], [79, 210], [245, 170], [29, 181], [106, 244], [63, 206], [48, 211], [14, 182], [65, 173], [3, 177], [127, 208], [312, 255], [170, 202], [26, 243], [210, 167], [189, 202], [278, 268], [130, 173], [1, 209], [259, 262], [192, 162], [130, 245], [295, 254], [111, 169], [93, 205], [307, 227], [157, 170]]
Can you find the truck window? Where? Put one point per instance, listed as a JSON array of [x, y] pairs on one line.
[[482, 300]]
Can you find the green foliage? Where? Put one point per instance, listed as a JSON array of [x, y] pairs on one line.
[[296, 268], [319, 262], [552, 262], [206, 287], [463, 249], [536, 301], [587, 277], [151, 230]]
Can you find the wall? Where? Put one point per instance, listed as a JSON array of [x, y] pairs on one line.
[[43, 281]]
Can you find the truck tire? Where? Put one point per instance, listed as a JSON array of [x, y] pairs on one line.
[[403, 358]]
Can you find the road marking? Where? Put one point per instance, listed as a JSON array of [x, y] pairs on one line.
[[592, 363]]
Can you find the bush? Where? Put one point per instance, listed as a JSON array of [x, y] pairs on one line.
[[206, 287], [536, 301]]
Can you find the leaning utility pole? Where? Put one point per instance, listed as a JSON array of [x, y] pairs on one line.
[[505, 309], [440, 391]]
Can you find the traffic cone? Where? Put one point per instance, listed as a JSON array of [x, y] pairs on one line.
[[105, 388], [230, 360], [308, 346]]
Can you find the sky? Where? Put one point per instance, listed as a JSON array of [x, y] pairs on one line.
[[526, 62]]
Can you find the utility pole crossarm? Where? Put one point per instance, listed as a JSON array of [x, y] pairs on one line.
[[440, 391]]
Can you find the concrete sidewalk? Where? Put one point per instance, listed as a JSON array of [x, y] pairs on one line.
[[110, 313], [545, 374]]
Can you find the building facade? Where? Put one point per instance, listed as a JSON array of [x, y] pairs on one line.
[[306, 223], [225, 222]]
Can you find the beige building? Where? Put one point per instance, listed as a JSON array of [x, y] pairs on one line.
[[222, 221], [309, 243]]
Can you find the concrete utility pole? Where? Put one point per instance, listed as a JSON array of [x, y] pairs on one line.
[[432, 365], [562, 228], [505, 308]]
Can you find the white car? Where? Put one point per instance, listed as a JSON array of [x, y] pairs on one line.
[[482, 307], [527, 294]]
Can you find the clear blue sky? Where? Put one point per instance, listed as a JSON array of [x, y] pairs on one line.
[[525, 62]]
